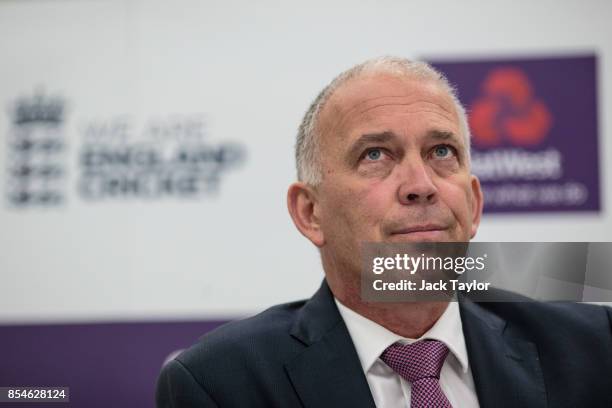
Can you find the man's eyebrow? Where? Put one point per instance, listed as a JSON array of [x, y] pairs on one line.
[[369, 138], [443, 135]]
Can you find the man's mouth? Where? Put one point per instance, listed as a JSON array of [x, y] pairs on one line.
[[425, 232]]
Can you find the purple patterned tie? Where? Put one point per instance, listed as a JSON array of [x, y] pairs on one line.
[[420, 363]]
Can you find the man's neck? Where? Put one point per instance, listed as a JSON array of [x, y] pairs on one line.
[[407, 319]]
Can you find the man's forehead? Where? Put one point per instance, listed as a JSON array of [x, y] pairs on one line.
[[359, 97], [362, 90]]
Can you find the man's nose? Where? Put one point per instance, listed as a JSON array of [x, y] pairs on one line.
[[416, 185]]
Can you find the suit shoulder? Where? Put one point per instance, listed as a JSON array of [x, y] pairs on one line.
[[263, 336], [567, 319]]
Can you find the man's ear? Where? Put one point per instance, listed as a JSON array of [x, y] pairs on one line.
[[303, 204], [477, 204]]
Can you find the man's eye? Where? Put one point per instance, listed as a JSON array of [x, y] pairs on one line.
[[374, 154], [442, 151]]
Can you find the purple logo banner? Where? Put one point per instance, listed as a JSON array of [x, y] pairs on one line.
[[103, 364], [534, 131]]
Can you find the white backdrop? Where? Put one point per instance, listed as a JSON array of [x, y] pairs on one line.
[[251, 69]]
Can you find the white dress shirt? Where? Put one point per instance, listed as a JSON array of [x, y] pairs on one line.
[[388, 388]]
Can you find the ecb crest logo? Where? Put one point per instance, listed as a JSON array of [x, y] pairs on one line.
[[120, 158], [35, 152]]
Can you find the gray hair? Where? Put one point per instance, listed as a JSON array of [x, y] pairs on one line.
[[307, 145]]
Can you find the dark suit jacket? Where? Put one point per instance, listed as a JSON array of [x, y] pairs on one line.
[[301, 355]]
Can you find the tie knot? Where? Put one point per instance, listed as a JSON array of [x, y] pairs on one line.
[[422, 359]]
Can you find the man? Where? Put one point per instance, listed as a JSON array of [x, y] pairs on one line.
[[383, 156]]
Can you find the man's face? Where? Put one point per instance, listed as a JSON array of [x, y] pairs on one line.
[[395, 167]]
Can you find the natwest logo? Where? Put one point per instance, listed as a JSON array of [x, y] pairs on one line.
[[508, 111]]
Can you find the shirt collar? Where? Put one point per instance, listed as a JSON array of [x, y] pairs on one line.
[[371, 339]]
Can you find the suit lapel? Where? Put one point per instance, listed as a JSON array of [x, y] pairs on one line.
[[505, 366], [327, 372]]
